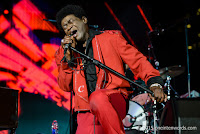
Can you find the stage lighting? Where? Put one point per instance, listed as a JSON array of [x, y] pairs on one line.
[[6, 11]]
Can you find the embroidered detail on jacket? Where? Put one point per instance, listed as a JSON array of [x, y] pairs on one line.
[[79, 88], [98, 85]]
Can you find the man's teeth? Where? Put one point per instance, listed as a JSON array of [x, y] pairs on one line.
[[74, 35], [73, 32]]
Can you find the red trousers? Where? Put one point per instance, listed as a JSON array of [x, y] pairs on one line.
[[108, 108]]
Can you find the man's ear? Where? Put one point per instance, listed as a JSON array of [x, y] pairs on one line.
[[85, 20]]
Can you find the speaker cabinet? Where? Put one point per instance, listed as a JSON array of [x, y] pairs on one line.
[[181, 116], [8, 108]]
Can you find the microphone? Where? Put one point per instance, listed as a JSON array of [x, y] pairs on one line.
[[65, 50], [66, 46]]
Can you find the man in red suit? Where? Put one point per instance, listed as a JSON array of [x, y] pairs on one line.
[[96, 88]]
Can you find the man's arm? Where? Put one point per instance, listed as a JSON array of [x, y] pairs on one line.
[[65, 72], [141, 67]]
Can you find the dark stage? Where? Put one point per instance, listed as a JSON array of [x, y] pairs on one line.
[[166, 32]]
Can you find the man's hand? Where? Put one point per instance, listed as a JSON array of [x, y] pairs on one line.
[[159, 95], [68, 40]]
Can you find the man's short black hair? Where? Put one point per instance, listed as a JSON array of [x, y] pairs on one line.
[[76, 10]]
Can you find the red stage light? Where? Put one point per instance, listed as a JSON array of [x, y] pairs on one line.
[[120, 24], [6, 11], [144, 17]]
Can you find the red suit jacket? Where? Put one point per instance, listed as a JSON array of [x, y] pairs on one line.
[[111, 49]]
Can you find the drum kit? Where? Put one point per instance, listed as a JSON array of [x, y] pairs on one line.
[[143, 115]]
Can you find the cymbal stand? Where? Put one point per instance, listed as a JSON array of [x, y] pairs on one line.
[[151, 52], [154, 117], [168, 87], [156, 63], [176, 94], [188, 65]]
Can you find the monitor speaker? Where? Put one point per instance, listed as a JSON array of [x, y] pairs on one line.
[[181, 116], [8, 108]]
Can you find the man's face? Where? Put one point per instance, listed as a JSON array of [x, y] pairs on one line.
[[75, 27]]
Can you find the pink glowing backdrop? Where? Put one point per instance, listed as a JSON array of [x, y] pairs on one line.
[[27, 63]]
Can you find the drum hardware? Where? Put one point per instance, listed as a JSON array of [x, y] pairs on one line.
[[142, 117], [157, 64], [167, 74], [170, 88], [154, 117], [171, 71], [135, 118]]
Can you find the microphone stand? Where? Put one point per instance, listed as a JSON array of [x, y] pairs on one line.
[[156, 62], [102, 66], [70, 117], [188, 65]]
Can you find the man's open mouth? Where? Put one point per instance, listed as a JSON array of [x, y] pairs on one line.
[[73, 33]]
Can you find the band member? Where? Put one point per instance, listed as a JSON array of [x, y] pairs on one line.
[[99, 95]]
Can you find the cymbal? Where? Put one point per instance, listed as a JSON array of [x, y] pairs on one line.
[[172, 71]]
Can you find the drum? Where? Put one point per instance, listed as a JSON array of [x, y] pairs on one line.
[[135, 118], [142, 99]]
